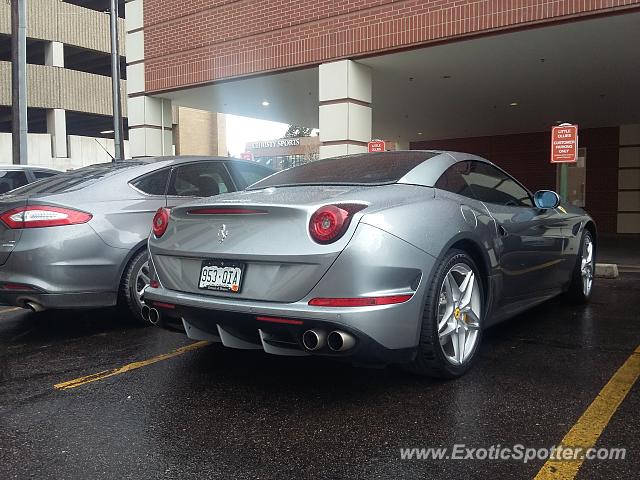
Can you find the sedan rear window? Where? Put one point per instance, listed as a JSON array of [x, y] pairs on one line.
[[363, 169], [76, 179]]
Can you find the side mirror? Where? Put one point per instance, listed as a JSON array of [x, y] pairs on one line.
[[545, 199]]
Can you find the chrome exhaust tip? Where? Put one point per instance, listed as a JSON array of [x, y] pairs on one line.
[[340, 341], [34, 307], [154, 316], [145, 311], [314, 339]]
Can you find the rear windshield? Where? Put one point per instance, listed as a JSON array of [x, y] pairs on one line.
[[362, 169], [75, 179]]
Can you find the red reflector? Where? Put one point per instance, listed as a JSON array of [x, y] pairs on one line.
[[154, 284], [170, 306], [286, 321], [359, 301], [225, 211], [17, 286]]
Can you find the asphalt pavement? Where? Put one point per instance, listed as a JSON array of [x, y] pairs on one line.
[[207, 412]]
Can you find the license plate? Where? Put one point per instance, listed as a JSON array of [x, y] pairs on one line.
[[221, 276]]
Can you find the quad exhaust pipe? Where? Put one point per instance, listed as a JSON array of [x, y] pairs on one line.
[[34, 307], [314, 339], [337, 341], [340, 341], [150, 314]]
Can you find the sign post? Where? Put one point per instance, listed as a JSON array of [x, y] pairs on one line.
[[376, 146], [564, 149]]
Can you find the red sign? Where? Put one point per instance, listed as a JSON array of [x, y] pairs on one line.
[[564, 143], [376, 146], [246, 156]]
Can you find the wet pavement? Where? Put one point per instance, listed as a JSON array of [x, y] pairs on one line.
[[218, 413]]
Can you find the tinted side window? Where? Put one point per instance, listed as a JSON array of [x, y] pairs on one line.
[[12, 179], [454, 180], [43, 174], [154, 183], [493, 186], [200, 180], [247, 174]]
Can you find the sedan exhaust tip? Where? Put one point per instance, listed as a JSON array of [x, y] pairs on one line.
[[340, 341], [151, 315], [314, 339]]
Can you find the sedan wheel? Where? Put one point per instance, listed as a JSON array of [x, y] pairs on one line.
[[142, 282], [134, 281], [459, 313]]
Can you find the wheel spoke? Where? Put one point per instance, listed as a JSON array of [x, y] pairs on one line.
[[458, 341], [453, 291], [467, 289], [474, 323], [450, 328], [589, 248]]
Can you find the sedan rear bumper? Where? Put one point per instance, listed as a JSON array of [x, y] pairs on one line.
[[45, 301]]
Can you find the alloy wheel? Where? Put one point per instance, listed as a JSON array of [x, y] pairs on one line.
[[459, 310], [586, 266]]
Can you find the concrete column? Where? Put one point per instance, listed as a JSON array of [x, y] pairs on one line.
[[345, 108], [149, 118], [54, 54], [57, 128]]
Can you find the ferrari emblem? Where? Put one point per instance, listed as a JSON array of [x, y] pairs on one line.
[[456, 312], [223, 233]]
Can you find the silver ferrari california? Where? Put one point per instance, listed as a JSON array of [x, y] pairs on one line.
[[393, 257]]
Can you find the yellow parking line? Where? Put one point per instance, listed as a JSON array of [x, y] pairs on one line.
[[590, 425], [127, 368]]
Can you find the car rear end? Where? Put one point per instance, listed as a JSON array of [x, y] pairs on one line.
[[50, 256], [293, 270]]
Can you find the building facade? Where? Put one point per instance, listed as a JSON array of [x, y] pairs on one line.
[[282, 153], [484, 76]]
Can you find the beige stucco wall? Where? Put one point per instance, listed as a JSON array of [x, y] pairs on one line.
[[55, 87], [59, 21]]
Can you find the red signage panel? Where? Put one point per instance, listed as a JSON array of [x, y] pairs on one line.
[[564, 143], [376, 146]]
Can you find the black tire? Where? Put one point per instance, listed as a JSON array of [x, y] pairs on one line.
[[128, 296], [575, 294], [430, 359]]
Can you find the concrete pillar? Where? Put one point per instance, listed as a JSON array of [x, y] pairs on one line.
[[57, 128], [54, 54], [345, 108], [149, 118]]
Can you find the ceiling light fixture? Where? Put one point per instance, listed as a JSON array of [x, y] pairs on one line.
[[513, 104], [265, 103], [419, 133]]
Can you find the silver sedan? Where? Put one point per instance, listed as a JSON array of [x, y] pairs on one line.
[[79, 239], [393, 257]]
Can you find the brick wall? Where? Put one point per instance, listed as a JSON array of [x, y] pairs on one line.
[[190, 42], [526, 157]]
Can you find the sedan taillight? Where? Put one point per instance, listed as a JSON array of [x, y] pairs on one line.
[[330, 222], [39, 216], [160, 222]]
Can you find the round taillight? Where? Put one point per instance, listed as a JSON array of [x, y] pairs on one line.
[[160, 222], [330, 222]]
